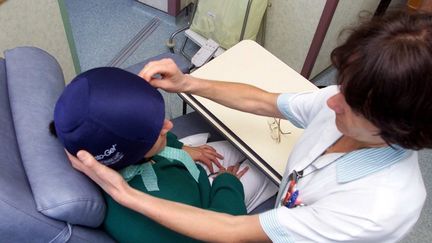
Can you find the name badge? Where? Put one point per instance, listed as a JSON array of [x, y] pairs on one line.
[[291, 198]]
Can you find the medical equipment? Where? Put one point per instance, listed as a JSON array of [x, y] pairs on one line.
[[224, 21]]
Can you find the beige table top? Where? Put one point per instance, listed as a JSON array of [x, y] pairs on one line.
[[248, 62]]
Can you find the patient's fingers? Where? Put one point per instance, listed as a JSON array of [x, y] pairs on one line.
[[209, 163], [210, 157], [205, 154], [218, 164], [242, 172], [213, 156], [234, 170], [212, 151]]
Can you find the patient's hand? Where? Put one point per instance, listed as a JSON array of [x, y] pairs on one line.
[[206, 155], [234, 170]]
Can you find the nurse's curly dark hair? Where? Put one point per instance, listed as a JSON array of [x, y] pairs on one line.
[[385, 73]]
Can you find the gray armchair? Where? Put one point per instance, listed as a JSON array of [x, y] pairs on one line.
[[42, 198]]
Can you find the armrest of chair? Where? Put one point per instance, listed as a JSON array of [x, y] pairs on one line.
[[34, 82]]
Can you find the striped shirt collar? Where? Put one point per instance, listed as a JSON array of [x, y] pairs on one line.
[[353, 165], [362, 162]]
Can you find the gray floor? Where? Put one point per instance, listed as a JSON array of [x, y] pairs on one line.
[[101, 28]]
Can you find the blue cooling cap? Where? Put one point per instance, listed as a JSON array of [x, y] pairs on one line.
[[113, 114]]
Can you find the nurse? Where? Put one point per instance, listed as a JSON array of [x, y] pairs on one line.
[[354, 173]]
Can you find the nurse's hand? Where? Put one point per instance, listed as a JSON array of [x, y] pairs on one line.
[[164, 74], [108, 179], [205, 154]]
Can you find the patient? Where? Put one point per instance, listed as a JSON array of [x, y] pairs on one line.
[[119, 118]]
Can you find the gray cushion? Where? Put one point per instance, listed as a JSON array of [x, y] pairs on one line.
[[35, 81], [19, 219], [15, 195]]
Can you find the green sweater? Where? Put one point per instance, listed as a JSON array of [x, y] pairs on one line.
[[175, 184]]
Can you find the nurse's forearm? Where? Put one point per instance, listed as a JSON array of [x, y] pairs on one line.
[[195, 222], [235, 95]]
